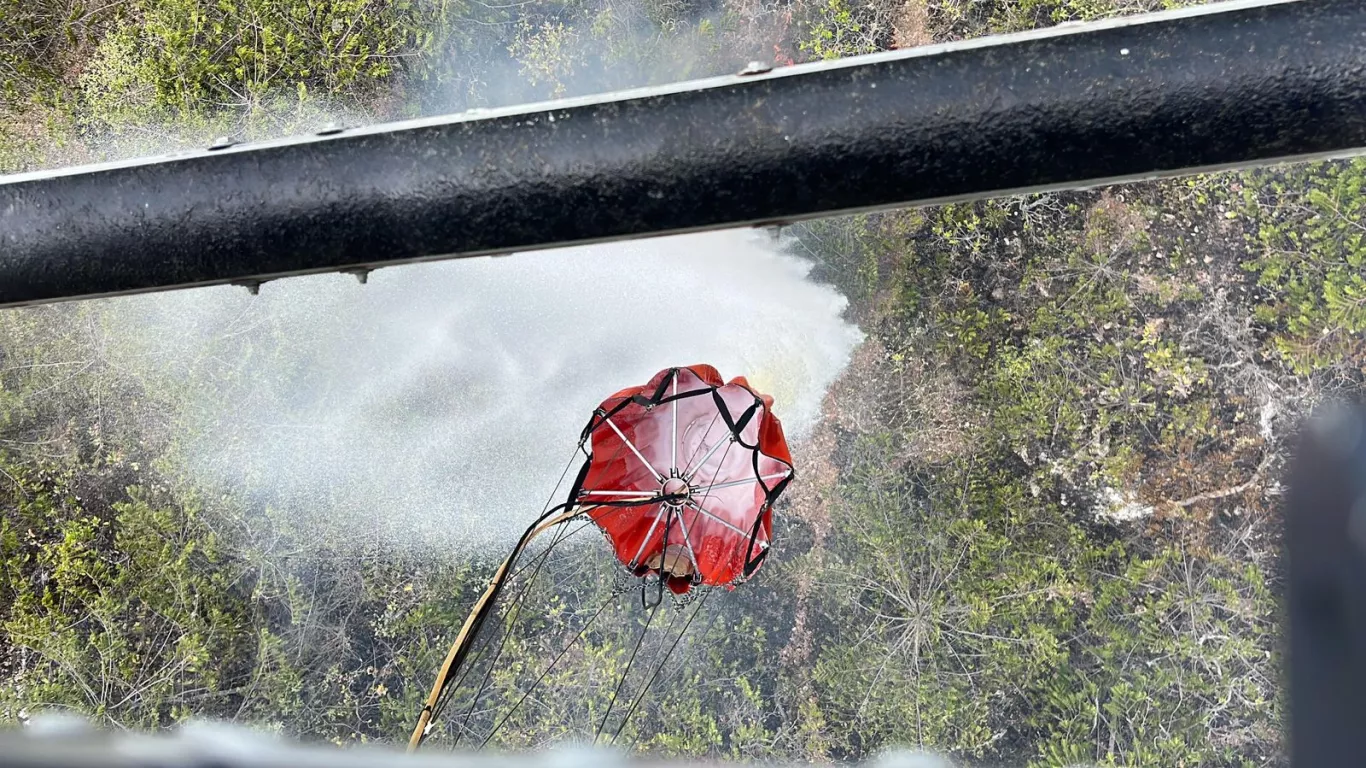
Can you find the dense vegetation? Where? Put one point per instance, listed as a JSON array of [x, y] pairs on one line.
[[1038, 525]]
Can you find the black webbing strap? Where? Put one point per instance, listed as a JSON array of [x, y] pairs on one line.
[[751, 561], [663, 385], [577, 487], [663, 550], [736, 426], [770, 496]]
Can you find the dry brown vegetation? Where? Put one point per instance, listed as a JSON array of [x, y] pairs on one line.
[[1037, 526]]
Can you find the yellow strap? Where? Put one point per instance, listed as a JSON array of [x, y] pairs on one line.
[[462, 638]]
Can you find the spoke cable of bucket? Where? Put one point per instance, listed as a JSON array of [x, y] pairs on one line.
[[717, 473], [716, 615], [560, 536], [511, 623], [455, 685], [697, 507], [660, 666], [546, 672], [614, 508], [483, 607], [682, 470], [563, 475], [626, 672], [472, 664]]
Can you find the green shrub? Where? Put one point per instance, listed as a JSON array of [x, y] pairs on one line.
[[1310, 258]]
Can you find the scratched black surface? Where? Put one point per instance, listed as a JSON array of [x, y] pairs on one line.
[[1232, 87]]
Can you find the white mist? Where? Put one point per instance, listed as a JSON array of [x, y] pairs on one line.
[[441, 402]]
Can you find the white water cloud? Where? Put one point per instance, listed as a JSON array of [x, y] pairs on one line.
[[441, 402]]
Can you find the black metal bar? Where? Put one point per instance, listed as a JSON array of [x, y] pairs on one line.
[[1233, 85], [1326, 596]]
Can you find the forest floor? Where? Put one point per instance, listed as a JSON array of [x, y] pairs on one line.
[[1037, 525]]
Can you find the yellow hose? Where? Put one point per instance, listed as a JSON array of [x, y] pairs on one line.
[[463, 638]]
